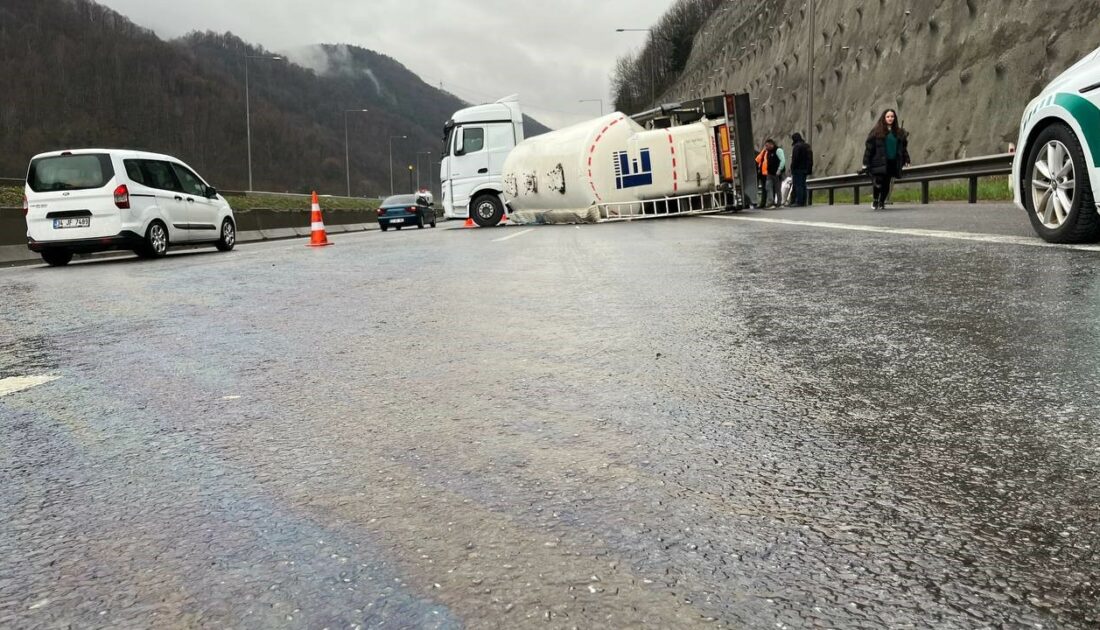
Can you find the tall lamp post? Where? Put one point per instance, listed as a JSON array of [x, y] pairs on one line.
[[593, 100], [810, 87], [652, 72], [347, 153], [418, 154], [392, 138], [248, 109]]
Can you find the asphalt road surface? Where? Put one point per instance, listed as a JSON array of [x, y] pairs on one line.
[[795, 418]]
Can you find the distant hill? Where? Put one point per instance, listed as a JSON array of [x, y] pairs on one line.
[[76, 74]]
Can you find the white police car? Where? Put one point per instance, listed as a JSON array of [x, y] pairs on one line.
[[1057, 164]]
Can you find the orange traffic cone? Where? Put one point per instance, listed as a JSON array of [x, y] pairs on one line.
[[469, 223], [317, 236]]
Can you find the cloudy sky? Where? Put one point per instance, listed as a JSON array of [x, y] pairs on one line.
[[553, 53]]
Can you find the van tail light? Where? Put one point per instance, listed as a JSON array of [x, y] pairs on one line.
[[122, 197], [26, 206]]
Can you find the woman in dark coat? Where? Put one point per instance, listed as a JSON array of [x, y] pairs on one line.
[[886, 153]]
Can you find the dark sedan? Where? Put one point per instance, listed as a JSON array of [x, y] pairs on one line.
[[399, 211]]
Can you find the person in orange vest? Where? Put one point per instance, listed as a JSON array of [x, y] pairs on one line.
[[768, 162]]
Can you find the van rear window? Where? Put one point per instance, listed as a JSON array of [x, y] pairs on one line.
[[70, 172]]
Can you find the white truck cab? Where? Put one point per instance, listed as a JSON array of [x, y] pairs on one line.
[[475, 142]]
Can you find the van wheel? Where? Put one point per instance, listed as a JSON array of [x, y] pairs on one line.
[[57, 257], [487, 211], [1057, 191], [228, 236], [156, 241]]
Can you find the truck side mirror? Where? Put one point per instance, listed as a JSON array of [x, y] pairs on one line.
[[460, 138]]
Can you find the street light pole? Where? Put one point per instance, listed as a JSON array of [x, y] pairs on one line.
[[347, 153], [248, 109], [392, 138], [418, 154], [593, 100], [810, 87]]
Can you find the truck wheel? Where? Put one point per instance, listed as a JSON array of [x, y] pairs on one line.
[[486, 210], [1057, 191]]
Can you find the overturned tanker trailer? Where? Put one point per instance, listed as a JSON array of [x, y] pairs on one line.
[[678, 159]]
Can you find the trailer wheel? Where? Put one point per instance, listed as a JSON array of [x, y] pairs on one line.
[[486, 210]]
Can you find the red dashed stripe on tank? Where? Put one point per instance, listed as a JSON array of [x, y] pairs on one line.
[[592, 151], [675, 172]]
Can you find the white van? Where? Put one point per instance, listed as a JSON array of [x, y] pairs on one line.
[[92, 200]]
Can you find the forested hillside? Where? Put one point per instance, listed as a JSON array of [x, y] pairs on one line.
[[76, 74]]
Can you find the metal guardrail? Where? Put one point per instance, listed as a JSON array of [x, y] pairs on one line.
[[970, 169]]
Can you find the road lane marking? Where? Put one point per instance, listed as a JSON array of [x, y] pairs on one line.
[[19, 383], [498, 240], [958, 236]]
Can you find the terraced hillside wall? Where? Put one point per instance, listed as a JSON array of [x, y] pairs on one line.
[[959, 71]]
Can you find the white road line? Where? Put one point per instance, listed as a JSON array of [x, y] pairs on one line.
[[19, 383], [498, 240], [958, 236]]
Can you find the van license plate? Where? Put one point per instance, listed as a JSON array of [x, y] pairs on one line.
[[72, 222]]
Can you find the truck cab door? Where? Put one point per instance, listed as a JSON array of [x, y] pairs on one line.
[[469, 165]]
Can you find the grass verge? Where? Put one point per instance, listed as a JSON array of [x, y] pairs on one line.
[[12, 197]]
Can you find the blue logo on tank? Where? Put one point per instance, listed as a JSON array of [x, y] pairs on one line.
[[628, 173]]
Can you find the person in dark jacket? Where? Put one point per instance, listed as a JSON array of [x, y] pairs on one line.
[[887, 151], [802, 165]]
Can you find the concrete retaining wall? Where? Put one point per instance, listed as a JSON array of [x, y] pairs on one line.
[[252, 225]]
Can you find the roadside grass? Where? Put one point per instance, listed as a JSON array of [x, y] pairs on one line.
[[281, 202], [12, 197], [989, 189]]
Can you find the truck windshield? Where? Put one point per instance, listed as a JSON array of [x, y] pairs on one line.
[[70, 172]]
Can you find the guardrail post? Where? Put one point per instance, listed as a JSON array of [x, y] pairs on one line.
[[832, 196], [855, 195], [924, 192], [809, 197], [973, 190]]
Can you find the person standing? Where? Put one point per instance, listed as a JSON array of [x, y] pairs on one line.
[[886, 152], [768, 162], [802, 165]]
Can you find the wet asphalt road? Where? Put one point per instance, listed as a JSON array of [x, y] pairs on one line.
[[721, 422]]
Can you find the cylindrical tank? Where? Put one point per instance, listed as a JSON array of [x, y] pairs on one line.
[[610, 159]]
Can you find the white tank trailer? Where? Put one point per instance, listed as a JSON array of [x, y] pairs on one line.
[[676, 159]]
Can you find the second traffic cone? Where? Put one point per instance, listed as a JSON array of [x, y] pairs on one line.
[[317, 235], [469, 223]]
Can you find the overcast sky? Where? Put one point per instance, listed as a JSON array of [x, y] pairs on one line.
[[553, 53]]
